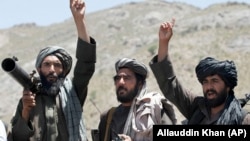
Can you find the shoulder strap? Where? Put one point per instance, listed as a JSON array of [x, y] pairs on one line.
[[109, 119]]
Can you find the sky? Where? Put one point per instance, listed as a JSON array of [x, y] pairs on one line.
[[46, 12]]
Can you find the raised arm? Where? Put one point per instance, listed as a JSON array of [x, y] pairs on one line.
[[165, 34], [78, 8]]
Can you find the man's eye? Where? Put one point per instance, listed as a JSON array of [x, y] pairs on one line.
[[46, 64], [126, 77], [58, 65], [116, 78]]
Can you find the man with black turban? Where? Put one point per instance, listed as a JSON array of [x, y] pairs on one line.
[[55, 111], [218, 106], [139, 109]]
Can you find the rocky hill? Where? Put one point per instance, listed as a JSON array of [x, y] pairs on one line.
[[131, 30]]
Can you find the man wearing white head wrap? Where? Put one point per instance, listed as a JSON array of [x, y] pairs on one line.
[[54, 113], [139, 109], [218, 106]]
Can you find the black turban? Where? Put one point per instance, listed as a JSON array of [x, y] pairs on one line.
[[60, 53], [225, 69], [132, 64]]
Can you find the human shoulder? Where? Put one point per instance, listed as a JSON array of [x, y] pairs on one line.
[[2, 124], [153, 95], [106, 112]]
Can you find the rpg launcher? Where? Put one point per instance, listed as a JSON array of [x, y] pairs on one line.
[[28, 81]]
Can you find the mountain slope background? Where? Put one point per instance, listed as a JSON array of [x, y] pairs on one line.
[[131, 30]]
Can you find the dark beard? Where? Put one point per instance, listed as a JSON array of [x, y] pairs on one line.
[[129, 96], [51, 88], [222, 96]]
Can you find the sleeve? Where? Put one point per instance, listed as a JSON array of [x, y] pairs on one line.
[[84, 68], [170, 85], [168, 113], [20, 129]]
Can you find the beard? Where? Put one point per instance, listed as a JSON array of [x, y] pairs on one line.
[[220, 99], [51, 88], [127, 96]]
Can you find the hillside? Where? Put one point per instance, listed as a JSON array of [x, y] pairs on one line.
[[131, 30]]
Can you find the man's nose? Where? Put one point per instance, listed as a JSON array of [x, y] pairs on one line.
[[121, 81], [52, 68]]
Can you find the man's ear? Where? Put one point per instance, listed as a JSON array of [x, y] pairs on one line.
[[140, 84], [228, 89]]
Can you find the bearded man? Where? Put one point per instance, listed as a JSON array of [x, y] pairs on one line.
[[54, 112], [218, 106], [139, 110]]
